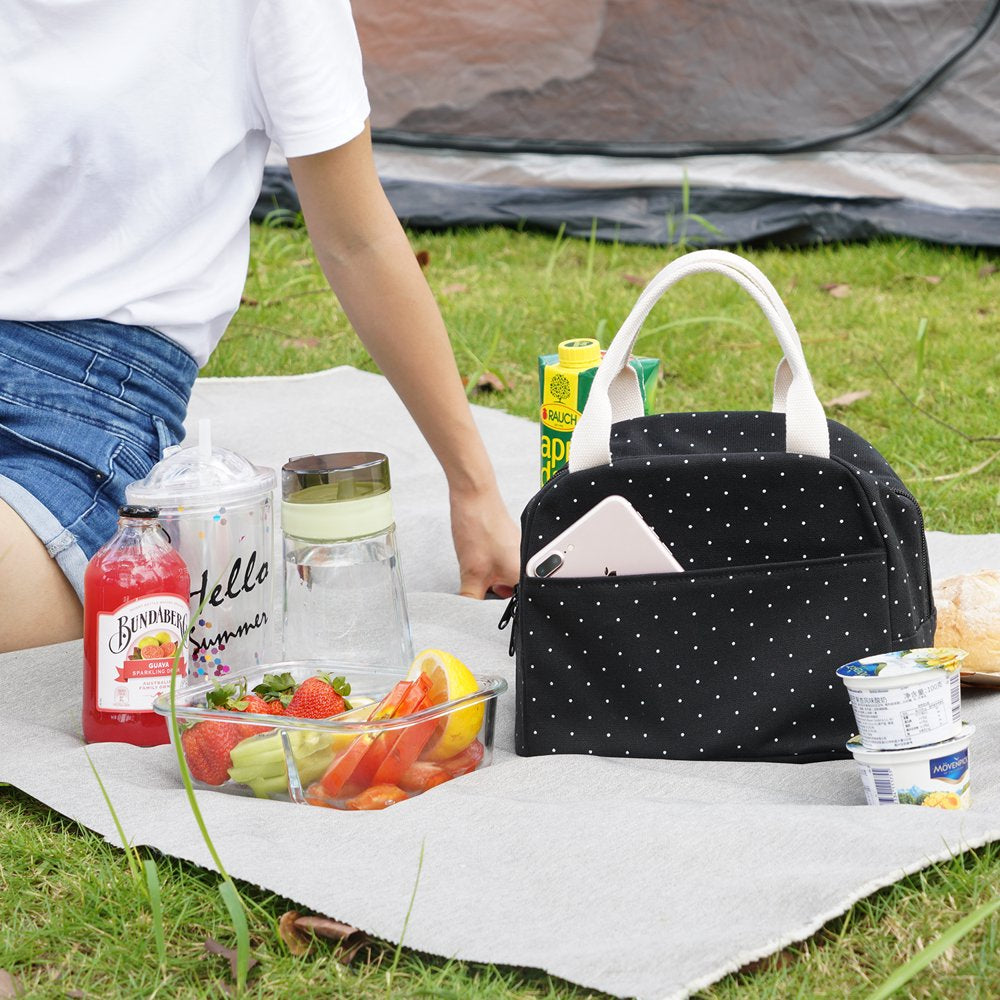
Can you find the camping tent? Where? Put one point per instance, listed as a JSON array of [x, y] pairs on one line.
[[730, 121]]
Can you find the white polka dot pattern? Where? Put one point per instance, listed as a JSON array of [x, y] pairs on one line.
[[793, 566]]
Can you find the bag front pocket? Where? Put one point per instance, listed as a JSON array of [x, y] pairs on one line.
[[717, 664]]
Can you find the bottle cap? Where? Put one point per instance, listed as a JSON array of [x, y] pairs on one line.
[[336, 497], [134, 510], [579, 353]]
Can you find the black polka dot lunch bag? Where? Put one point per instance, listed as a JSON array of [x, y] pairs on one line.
[[793, 548]]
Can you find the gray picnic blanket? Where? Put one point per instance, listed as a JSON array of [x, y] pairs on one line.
[[640, 878]]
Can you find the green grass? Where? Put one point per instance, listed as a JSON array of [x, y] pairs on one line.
[[917, 329]]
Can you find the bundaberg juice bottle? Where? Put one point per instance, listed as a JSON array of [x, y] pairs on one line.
[[135, 618]]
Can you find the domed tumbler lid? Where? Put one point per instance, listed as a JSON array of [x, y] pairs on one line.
[[198, 475]]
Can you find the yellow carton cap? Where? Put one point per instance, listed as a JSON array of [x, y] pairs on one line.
[[579, 353]]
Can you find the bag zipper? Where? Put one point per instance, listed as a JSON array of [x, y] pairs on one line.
[[929, 596], [509, 617], [529, 510]]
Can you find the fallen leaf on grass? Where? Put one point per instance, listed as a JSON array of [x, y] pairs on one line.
[[306, 342], [298, 943], [333, 930], [423, 258], [931, 279], [634, 279], [769, 963], [987, 269], [351, 939], [214, 948], [488, 382], [9, 986], [849, 397], [837, 290], [245, 300]]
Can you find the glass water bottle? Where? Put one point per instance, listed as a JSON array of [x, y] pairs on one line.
[[344, 597]]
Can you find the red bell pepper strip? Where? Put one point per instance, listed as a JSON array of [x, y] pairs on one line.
[[355, 768], [404, 751]]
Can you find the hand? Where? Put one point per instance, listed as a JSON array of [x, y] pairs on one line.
[[487, 543]]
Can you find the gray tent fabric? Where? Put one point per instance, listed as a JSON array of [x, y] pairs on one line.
[[645, 878], [799, 122]]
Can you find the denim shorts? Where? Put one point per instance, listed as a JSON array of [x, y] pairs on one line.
[[86, 407]]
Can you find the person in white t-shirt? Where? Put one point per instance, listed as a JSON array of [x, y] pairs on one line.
[[135, 138]]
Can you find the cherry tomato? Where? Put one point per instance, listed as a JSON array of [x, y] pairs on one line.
[[421, 775], [377, 797], [468, 760]]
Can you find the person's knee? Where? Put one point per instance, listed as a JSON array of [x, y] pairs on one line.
[[38, 605]]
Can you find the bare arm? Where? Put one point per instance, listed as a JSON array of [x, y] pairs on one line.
[[370, 265]]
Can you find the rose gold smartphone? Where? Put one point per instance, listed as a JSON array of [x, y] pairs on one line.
[[611, 539]]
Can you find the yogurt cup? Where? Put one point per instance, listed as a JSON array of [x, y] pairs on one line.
[[905, 699], [937, 775]]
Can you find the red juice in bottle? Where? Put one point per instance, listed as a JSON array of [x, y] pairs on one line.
[[135, 617]]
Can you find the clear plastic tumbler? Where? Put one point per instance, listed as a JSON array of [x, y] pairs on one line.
[[344, 597], [217, 510]]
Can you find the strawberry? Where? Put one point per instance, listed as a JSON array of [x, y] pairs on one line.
[[319, 697], [253, 703], [207, 746], [277, 690], [234, 698]]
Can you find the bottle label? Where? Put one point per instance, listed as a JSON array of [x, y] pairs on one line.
[[136, 645]]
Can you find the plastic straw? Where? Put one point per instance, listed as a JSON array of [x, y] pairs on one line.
[[205, 439]]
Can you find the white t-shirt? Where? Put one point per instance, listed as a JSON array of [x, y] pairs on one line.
[[132, 142]]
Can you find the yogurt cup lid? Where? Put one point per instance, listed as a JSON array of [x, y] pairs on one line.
[[904, 661], [854, 743]]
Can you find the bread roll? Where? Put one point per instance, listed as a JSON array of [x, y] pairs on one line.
[[968, 616]]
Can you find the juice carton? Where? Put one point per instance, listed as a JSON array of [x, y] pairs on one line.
[[564, 380]]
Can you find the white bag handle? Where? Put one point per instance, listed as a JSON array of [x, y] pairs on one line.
[[615, 395]]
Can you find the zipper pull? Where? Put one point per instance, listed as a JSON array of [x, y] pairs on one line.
[[509, 617]]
